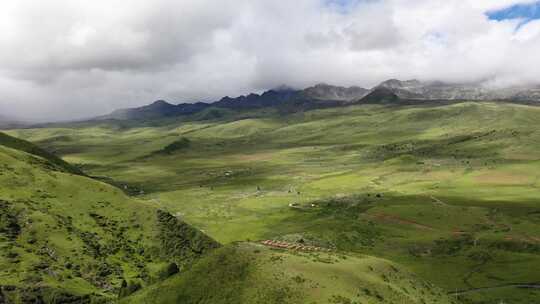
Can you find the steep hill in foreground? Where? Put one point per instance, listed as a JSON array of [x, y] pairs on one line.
[[57, 163], [65, 238], [250, 273]]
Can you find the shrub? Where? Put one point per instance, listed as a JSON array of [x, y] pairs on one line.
[[178, 145], [170, 270], [180, 242], [127, 289]]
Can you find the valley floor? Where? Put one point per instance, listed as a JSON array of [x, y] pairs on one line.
[[450, 192]]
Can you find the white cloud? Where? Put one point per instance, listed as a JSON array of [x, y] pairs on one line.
[[75, 58]]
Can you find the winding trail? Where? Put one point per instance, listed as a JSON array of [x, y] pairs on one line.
[[438, 201]]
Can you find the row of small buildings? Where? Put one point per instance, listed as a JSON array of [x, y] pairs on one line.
[[292, 246]]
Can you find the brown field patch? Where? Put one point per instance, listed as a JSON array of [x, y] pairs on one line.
[[254, 156], [502, 178]]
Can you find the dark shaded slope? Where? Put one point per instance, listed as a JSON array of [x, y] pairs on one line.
[[180, 242], [380, 95], [67, 238], [284, 98], [19, 144], [158, 109]]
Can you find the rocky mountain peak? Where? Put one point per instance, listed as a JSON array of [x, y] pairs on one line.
[[397, 84], [283, 88], [380, 95], [160, 103]]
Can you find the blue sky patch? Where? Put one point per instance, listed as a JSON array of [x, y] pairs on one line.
[[345, 6], [525, 12]]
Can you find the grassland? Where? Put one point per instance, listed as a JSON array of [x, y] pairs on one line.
[[66, 238], [450, 192], [250, 273]]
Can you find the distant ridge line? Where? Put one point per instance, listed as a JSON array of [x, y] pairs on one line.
[[286, 98]]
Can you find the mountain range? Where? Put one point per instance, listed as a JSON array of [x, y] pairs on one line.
[[325, 95], [7, 122]]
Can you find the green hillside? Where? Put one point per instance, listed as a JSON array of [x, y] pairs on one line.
[[71, 239], [450, 192], [250, 273], [66, 238], [55, 161]]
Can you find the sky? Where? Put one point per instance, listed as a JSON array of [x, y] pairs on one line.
[[527, 12], [71, 59]]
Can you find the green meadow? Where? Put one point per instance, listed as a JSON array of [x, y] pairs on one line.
[[449, 193]]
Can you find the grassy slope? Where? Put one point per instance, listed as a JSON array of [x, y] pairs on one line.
[[249, 273], [21, 145], [72, 239], [65, 237], [459, 183]]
